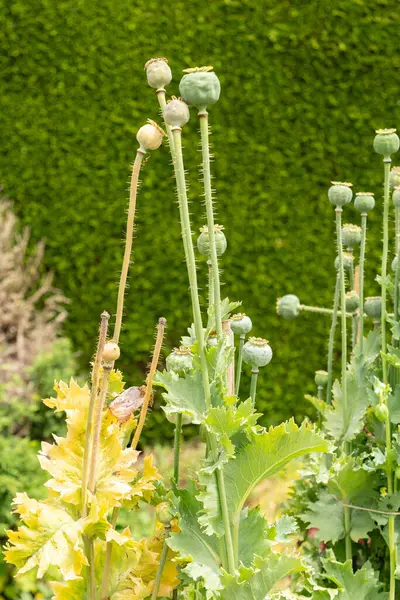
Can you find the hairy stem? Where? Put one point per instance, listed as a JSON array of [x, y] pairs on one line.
[[211, 296], [239, 363], [253, 385], [361, 279], [205, 150], [325, 311], [128, 244], [332, 339], [160, 570], [163, 103]]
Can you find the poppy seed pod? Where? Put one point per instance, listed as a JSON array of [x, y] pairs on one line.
[[351, 235], [396, 196], [111, 352], [164, 513], [381, 412], [150, 136], [394, 178], [364, 202], [176, 113], [321, 378], [257, 352], [352, 301], [180, 361], [348, 261], [386, 141], [158, 72], [241, 324], [212, 340], [340, 193], [288, 306], [200, 87], [394, 263], [373, 307], [203, 241]]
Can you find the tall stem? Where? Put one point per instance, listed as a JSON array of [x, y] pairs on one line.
[[160, 570], [128, 243], [163, 103], [239, 363], [332, 339], [361, 280], [325, 311], [177, 448], [205, 150], [253, 385], [191, 267], [211, 295]]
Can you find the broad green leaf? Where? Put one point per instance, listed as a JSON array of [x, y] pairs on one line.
[[326, 515], [184, 395], [264, 455], [49, 537], [317, 403], [227, 308], [348, 480], [345, 422], [254, 583], [362, 585]]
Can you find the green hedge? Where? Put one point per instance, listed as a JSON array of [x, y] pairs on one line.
[[304, 85]]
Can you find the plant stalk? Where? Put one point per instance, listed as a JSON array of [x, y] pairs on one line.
[[361, 278], [239, 363], [325, 311], [253, 385], [160, 570], [332, 339]]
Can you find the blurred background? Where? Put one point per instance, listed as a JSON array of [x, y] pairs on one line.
[[304, 86]]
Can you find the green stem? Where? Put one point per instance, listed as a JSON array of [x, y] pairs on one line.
[[361, 283], [253, 384], [397, 227], [347, 528], [332, 339], [160, 570], [351, 270], [211, 296], [355, 330], [325, 311], [239, 363], [191, 268], [205, 150], [177, 448], [163, 103]]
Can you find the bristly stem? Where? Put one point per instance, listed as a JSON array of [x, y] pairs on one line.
[[128, 244], [163, 103], [325, 311], [191, 268], [143, 413], [205, 150], [361, 279], [177, 448], [253, 385], [211, 296], [239, 363], [160, 570], [331, 343]]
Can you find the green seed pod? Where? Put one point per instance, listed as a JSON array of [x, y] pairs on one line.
[[351, 235], [348, 261], [150, 136], [373, 307], [381, 412], [321, 378], [241, 324], [158, 72], [386, 141], [203, 241], [200, 87], [394, 263], [364, 202], [394, 179], [164, 513], [176, 113], [352, 300], [257, 352], [180, 361], [111, 352], [288, 306], [396, 196], [340, 193]]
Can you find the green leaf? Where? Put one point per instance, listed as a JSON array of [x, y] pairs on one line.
[[326, 515], [317, 403], [394, 405], [344, 423], [363, 584], [183, 395], [227, 308]]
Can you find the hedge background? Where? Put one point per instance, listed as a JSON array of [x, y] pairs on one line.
[[304, 85]]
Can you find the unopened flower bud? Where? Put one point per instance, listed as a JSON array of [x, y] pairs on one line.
[[111, 352], [180, 361], [158, 72], [340, 193], [381, 412], [200, 87], [150, 136], [164, 513], [352, 301], [321, 378], [364, 202], [288, 306], [386, 141], [257, 352], [373, 307], [241, 324], [203, 241], [351, 235], [348, 261], [176, 113]]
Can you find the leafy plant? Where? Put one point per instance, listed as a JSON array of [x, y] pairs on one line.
[[349, 504]]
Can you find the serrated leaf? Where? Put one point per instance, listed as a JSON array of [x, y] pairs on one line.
[[184, 395], [227, 308], [325, 515], [317, 403], [345, 422], [363, 584]]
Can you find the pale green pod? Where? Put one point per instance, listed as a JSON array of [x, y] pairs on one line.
[[348, 261], [351, 235], [364, 202], [386, 141], [203, 241], [373, 307], [158, 73], [340, 193], [288, 306], [257, 352], [352, 301], [180, 361], [241, 324], [200, 87], [321, 378]]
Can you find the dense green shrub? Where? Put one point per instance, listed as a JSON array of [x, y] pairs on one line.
[[299, 73]]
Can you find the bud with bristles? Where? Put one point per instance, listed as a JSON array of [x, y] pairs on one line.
[[203, 241], [351, 235], [364, 202], [386, 141], [348, 261], [176, 113], [321, 378], [340, 193], [241, 324], [352, 300], [257, 352], [288, 306], [158, 72], [150, 136], [373, 307], [180, 361]]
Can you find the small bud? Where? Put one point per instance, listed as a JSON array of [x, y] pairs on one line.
[[321, 378], [364, 202], [150, 136], [126, 403], [212, 340], [111, 352], [394, 178], [288, 306], [381, 412], [257, 352], [164, 513], [396, 196], [352, 301], [158, 72], [180, 361], [348, 261], [340, 193], [373, 307], [176, 113], [200, 87], [203, 241], [241, 324], [351, 235], [394, 263], [386, 141]]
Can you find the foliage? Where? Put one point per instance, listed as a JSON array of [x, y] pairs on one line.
[[71, 98]]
